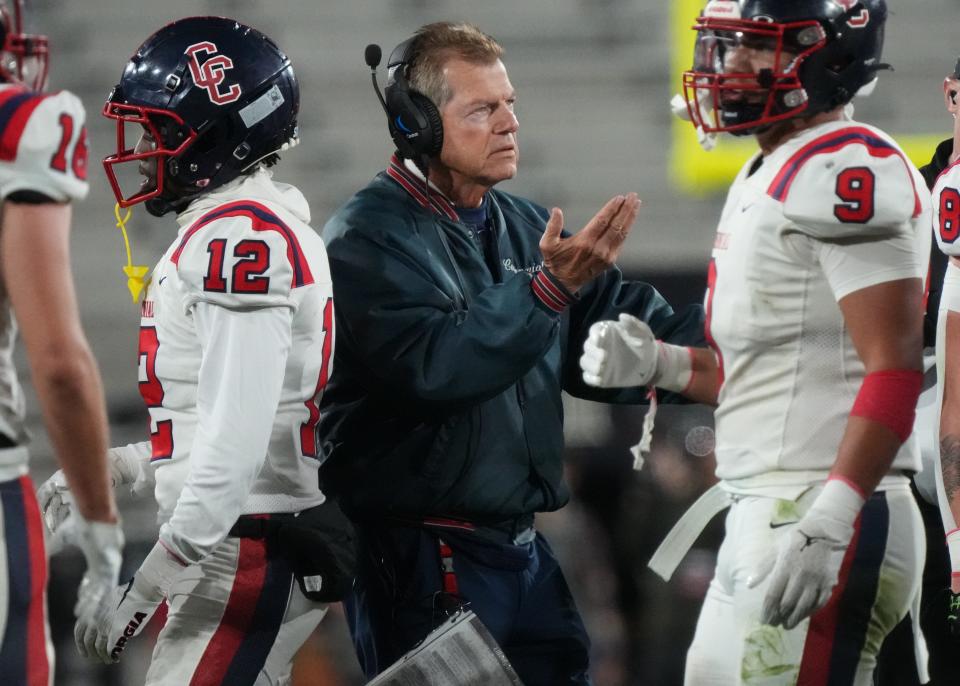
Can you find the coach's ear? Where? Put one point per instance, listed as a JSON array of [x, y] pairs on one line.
[[950, 87]]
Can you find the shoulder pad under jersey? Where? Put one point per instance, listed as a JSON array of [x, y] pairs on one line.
[[43, 144], [853, 182], [241, 255]]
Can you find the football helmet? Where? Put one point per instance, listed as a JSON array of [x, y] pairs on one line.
[[212, 98], [823, 52], [23, 56]]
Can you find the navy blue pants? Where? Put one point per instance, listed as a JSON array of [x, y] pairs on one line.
[[518, 591]]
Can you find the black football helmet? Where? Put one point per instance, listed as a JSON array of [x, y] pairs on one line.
[[23, 56], [214, 96], [824, 52]]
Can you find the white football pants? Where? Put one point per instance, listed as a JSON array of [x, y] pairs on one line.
[[838, 645], [236, 618]]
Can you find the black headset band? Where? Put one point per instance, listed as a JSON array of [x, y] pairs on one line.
[[414, 120], [400, 62]]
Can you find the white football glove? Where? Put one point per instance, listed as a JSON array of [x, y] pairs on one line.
[[102, 546], [125, 464], [625, 353], [619, 354], [808, 562], [123, 613], [56, 503]]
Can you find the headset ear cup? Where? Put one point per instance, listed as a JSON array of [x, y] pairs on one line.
[[432, 141], [400, 116]]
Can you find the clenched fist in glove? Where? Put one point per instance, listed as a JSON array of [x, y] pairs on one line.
[[625, 353], [807, 565], [123, 613]]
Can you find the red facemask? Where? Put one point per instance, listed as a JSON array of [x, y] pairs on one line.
[[23, 57], [723, 98], [161, 126]]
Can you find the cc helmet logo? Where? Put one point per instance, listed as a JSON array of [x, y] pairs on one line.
[[210, 74], [861, 19]]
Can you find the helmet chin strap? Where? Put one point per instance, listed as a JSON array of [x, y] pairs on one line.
[[171, 199], [179, 196], [292, 142]]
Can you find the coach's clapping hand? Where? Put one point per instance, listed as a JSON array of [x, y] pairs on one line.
[[575, 261]]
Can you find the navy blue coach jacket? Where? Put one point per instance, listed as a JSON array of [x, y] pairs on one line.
[[445, 398]]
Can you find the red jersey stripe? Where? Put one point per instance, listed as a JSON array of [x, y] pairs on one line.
[[779, 188], [38, 667], [21, 105], [261, 219], [235, 623]]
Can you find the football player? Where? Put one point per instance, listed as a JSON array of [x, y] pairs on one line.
[[814, 310], [235, 348], [43, 168], [946, 223]]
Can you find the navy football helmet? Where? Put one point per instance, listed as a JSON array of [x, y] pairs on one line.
[[23, 56], [824, 52], [214, 98]]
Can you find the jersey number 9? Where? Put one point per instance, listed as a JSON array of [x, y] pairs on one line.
[[855, 186]]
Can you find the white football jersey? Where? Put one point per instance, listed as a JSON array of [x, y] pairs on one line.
[[236, 345], [43, 148], [946, 227], [946, 210], [834, 210]]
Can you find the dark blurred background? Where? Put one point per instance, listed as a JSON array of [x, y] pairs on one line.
[[594, 78]]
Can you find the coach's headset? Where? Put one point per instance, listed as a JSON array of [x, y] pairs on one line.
[[412, 118]]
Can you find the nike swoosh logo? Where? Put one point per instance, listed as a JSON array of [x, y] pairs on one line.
[[779, 524], [162, 279], [746, 207]]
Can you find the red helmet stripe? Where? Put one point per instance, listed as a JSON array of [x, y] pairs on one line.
[[261, 219]]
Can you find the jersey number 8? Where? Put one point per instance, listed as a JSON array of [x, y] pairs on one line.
[[949, 215]]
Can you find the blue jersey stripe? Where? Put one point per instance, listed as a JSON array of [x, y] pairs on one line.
[[860, 593], [10, 107], [266, 217], [794, 168], [274, 220]]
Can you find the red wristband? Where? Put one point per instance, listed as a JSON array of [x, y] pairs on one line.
[[889, 397]]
